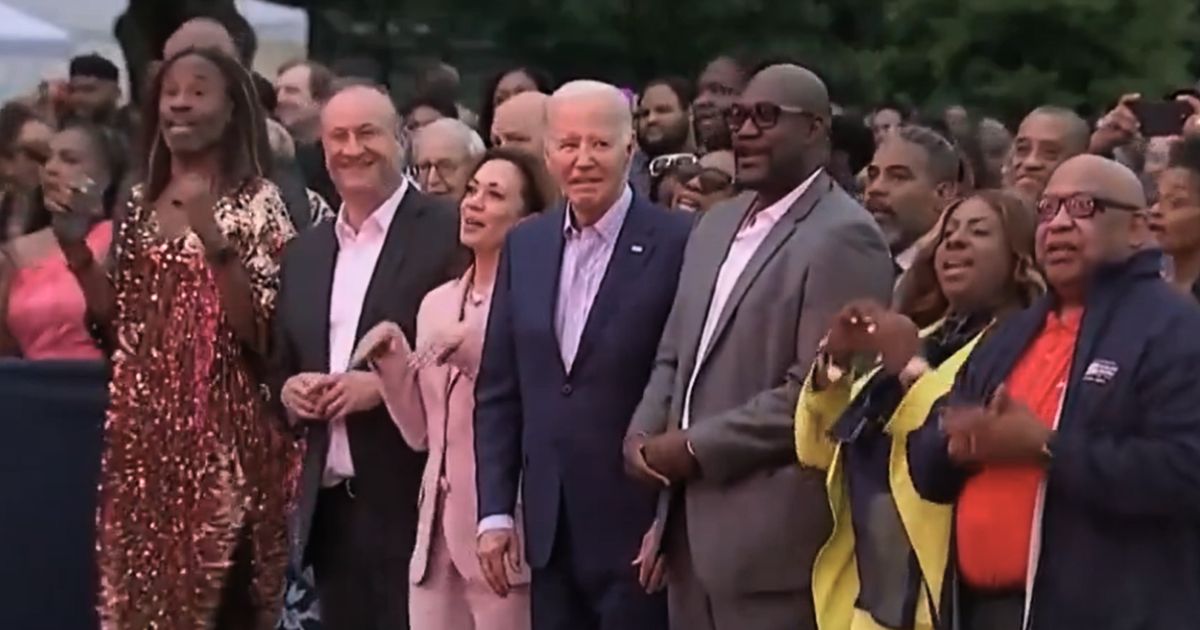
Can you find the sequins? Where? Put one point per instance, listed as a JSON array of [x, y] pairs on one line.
[[193, 457]]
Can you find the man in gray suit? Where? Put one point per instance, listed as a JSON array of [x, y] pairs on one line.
[[764, 274]]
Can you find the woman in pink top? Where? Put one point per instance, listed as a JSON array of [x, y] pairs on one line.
[[43, 314], [430, 394]]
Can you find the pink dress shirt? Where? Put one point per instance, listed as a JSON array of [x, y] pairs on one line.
[[434, 406], [749, 237], [47, 312], [358, 253], [586, 254]]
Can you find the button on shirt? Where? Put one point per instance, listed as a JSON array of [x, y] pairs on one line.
[[358, 253], [749, 237], [586, 254]]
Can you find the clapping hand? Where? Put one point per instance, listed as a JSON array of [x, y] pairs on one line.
[[73, 208], [1006, 431], [866, 327]]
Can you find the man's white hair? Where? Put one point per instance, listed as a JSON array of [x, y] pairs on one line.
[[622, 109], [457, 129]]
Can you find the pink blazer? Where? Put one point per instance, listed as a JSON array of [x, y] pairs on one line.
[[434, 408]]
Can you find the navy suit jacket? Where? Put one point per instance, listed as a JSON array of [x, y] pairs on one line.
[[558, 434]]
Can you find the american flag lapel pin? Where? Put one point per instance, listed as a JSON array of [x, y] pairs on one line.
[[637, 249]]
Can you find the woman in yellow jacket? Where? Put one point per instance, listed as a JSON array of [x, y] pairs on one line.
[[876, 378]]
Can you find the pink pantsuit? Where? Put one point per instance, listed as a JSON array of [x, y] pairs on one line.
[[434, 406]]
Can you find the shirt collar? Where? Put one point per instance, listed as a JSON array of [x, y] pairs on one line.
[[775, 211], [609, 225], [380, 220]]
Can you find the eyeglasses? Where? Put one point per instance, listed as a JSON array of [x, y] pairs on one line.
[[711, 180], [764, 115], [1078, 206], [445, 168], [662, 164]]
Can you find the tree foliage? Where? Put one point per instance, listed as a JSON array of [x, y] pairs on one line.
[[1002, 55]]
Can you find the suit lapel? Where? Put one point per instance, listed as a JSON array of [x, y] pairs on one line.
[[708, 267], [541, 278], [775, 239], [633, 249], [400, 239], [318, 287]]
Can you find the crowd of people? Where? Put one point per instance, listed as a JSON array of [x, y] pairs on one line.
[[722, 355]]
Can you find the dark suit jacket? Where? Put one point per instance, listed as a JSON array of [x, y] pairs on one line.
[[563, 431], [419, 254]]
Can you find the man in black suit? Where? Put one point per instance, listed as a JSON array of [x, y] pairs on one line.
[[581, 298], [356, 518]]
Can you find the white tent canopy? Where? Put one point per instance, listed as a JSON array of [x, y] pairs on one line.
[[25, 35], [38, 37]]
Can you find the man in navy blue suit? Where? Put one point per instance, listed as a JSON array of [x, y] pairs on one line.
[[579, 304]]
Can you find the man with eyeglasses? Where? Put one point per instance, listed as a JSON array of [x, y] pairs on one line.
[[1070, 443], [740, 521], [443, 153]]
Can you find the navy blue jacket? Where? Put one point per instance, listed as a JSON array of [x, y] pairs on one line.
[[562, 432], [1121, 526]]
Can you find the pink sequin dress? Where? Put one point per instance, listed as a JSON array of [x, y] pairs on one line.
[[47, 313], [195, 462]]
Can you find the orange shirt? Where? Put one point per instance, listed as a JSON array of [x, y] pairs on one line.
[[994, 519]]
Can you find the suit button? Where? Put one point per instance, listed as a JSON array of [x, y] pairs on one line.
[[567, 389]]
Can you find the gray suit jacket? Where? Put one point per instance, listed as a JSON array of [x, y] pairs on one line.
[[755, 519]]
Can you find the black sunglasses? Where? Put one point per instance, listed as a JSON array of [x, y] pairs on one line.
[[764, 115], [1078, 206], [711, 180]]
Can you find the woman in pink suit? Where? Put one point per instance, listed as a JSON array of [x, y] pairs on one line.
[[430, 394]]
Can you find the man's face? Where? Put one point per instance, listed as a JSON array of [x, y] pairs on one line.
[[587, 153], [293, 92], [770, 144], [521, 126], [92, 98], [901, 194], [662, 122], [361, 141], [1042, 144], [443, 165], [1070, 248], [719, 85], [883, 122]]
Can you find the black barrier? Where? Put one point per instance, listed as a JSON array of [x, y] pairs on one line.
[[52, 421]]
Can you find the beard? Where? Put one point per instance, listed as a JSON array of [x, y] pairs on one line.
[[673, 140]]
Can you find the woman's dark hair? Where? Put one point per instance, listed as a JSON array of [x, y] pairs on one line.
[[13, 118], [536, 192], [487, 110], [443, 106], [266, 93], [919, 295], [684, 90], [245, 148]]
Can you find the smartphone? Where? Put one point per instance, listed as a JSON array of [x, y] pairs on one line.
[[1161, 118]]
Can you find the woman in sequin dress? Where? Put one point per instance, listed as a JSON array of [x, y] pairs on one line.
[[197, 471]]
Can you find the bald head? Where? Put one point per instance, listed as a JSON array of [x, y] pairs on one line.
[[795, 86], [1099, 177], [520, 123], [200, 33], [1094, 216]]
